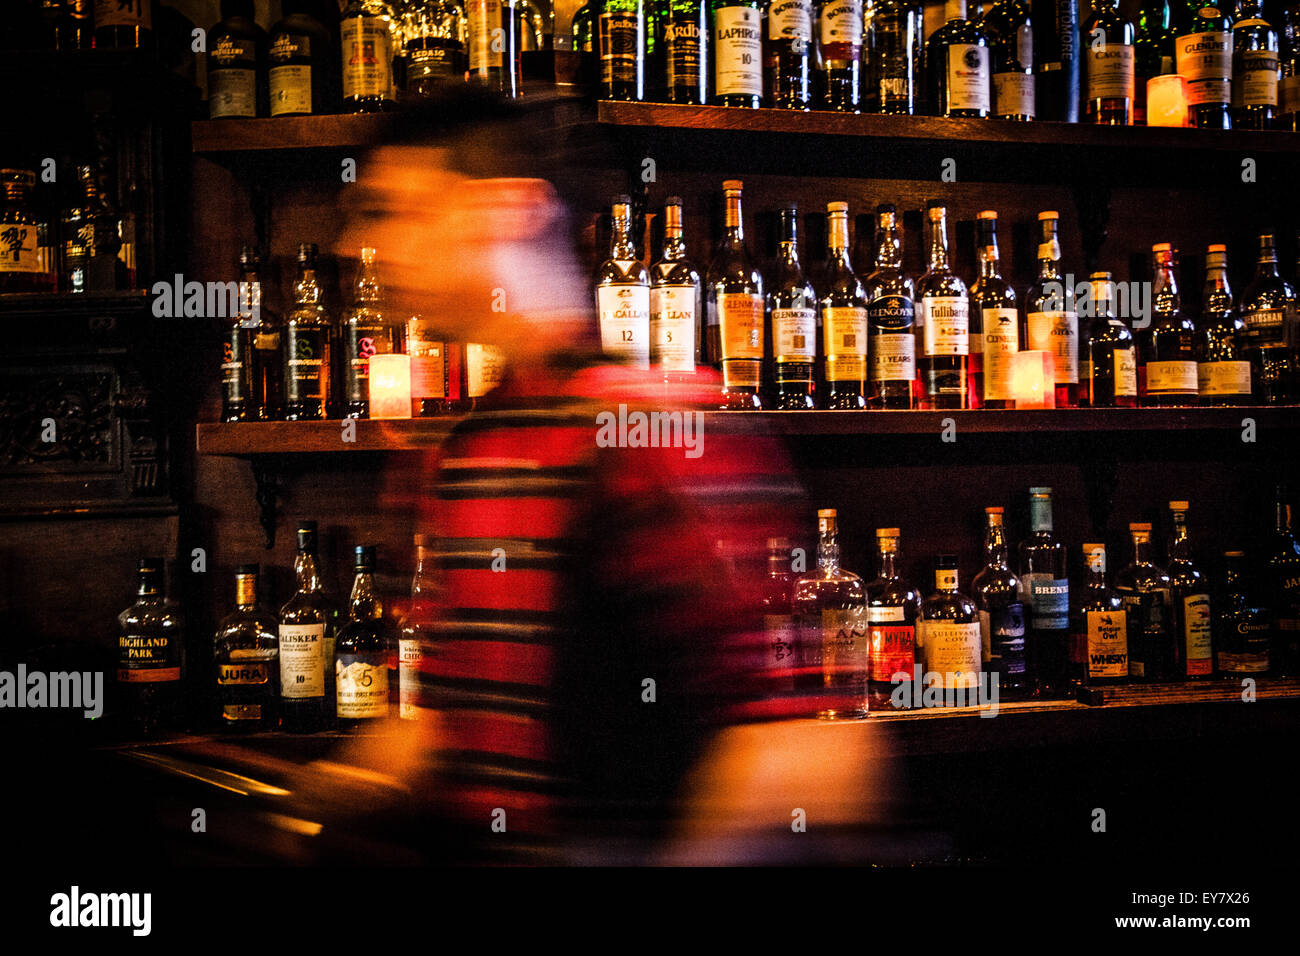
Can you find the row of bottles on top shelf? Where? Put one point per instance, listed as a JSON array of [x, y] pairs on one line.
[[1024, 623], [887, 340]]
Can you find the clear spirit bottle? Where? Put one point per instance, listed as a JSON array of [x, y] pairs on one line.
[[246, 651]]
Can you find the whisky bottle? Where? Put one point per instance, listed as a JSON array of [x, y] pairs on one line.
[[996, 591], [307, 345], [676, 303], [91, 242], [301, 77], [150, 655], [1288, 91], [1241, 644], [485, 367], [839, 54], [26, 260], [1057, 59], [433, 45], [1264, 311], [75, 29], [435, 368], [1203, 53], [367, 331], [1045, 592], [621, 39], [123, 24], [684, 36], [236, 63], [780, 661], [958, 74], [788, 54], [830, 615], [735, 303], [844, 318], [416, 630], [1144, 588], [267, 372], [944, 317], [737, 30], [246, 650], [493, 39], [366, 55], [894, 49], [1222, 370], [995, 326], [1283, 568], [893, 607], [1256, 69], [583, 28], [890, 317], [1110, 59], [1189, 600], [1167, 349], [362, 650], [305, 643], [623, 294], [1099, 645], [1011, 39], [1153, 52], [1111, 367], [792, 305], [1051, 318], [948, 632]]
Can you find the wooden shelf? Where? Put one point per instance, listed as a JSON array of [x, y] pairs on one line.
[[333, 131], [316, 437]]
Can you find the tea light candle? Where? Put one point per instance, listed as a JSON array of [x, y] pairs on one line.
[[1167, 100], [390, 386], [1033, 377]]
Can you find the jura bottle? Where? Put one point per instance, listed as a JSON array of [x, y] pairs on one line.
[[246, 651]]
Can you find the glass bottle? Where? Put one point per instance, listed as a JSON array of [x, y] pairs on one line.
[[1144, 588], [944, 317], [1168, 374], [958, 72], [1153, 52], [1288, 91], [1256, 69], [621, 41], [367, 331], [780, 662], [830, 615], [301, 75], [948, 632], [1264, 312], [792, 305], [306, 644], [737, 49], [75, 28], [623, 294], [1282, 561], [995, 326], [788, 54], [1241, 645], [237, 64], [1099, 647], [685, 40], [736, 307], [839, 54], [894, 48], [1110, 62], [843, 318], [362, 650], [996, 591], [1011, 38], [123, 24], [891, 316], [366, 55], [1045, 592], [246, 651], [26, 263], [241, 396], [150, 655], [893, 607], [417, 629], [1051, 316], [1189, 600], [1203, 52], [583, 28], [307, 345], [676, 303], [90, 235], [1112, 357], [1223, 372], [1057, 59], [267, 359]]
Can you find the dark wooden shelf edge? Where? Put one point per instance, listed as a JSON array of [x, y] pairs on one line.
[[329, 131], [320, 437]]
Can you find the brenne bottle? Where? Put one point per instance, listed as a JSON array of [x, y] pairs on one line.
[[1045, 592]]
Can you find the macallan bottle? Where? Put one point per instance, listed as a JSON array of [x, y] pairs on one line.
[[1189, 599], [945, 323], [1109, 65], [305, 643], [1111, 367], [1145, 590], [890, 317], [948, 632], [1222, 369], [676, 303], [893, 606], [995, 326], [623, 294], [844, 318], [736, 309], [1099, 645], [788, 53], [996, 591], [792, 308], [1167, 349], [1051, 318], [246, 651]]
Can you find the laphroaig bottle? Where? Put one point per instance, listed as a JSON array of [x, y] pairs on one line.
[[844, 318], [362, 650], [1045, 592], [893, 607], [1111, 366], [944, 317], [737, 34], [1241, 643], [246, 651], [305, 643], [736, 308], [948, 632], [995, 326], [1109, 54], [236, 63], [301, 75], [676, 303], [1167, 349], [365, 45], [1051, 316], [308, 341], [1144, 588], [890, 317], [1283, 565], [367, 331], [996, 591], [1189, 598], [1222, 370], [1099, 645], [1203, 54], [623, 294], [792, 309], [150, 655]]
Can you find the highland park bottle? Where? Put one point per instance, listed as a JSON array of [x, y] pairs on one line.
[[839, 54], [1099, 645], [737, 31], [623, 294], [1222, 370], [996, 591], [948, 632], [893, 606], [788, 53], [958, 74], [676, 303], [305, 643], [1167, 349], [362, 650], [151, 655], [684, 35], [890, 317], [1051, 320], [1045, 591], [366, 56], [735, 303], [1189, 600], [995, 326], [1204, 57], [844, 318], [944, 317], [1110, 57], [792, 305], [1145, 590], [1111, 365], [1256, 69], [308, 335], [621, 39], [246, 652]]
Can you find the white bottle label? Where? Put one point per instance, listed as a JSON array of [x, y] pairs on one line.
[[1171, 378], [672, 327], [1126, 373], [845, 334], [290, 89], [893, 357], [1205, 59], [123, 13], [738, 51], [947, 325], [302, 660], [1058, 333], [484, 367], [1289, 95], [791, 20], [232, 93], [367, 62], [1001, 342], [1110, 72], [954, 651], [1223, 378], [625, 322], [361, 687], [840, 30], [794, 335], [409, 656], [1013, 94], [968, 77], [886, 615], [1256, 84]]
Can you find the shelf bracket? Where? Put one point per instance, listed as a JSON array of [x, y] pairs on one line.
[[268, 476], [1100, 479]]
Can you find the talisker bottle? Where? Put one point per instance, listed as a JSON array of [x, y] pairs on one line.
[[151, 655], [304, 633]]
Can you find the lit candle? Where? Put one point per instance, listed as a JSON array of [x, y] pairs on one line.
[[1033, 377], [1167, 100], [390, 386]]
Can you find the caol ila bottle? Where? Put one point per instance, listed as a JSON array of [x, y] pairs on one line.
[[957, 64], [304, 643], [736, 307], [844, 318], [792, 305], [890, 316], [788, 53], [307, 341], [246, 650], [1109, 54], [362, 650], [151, 655]]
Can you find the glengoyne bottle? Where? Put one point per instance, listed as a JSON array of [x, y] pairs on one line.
[[1099, 645], [1167, 349], [150, 655], [685, 39], [839, 54], [948, 634], [792, 306], [1189, 599], [1108, 39], [844, 318], [623, 294], [1256, 68], [493, 40], [1204, 58], [621, 39], [303, 636], [676, 303], [996, 591], [890, 316], [895, 54], [1264, 310], [737, 52], [307, 345], [246, 651], [416, 629], [780, 668], [735, 302], [236, 63], [1222, 370], [893, 606], [1241, 646], [367, 331], [301, 58], [362, 650], [1011, 37], [995, 322], [1051, 319], [788, 54], [1057, 59], [944, 315], [1144, 588], [1283, 570], [433, 45], [1153, 51], [958, 71], [366, 56], [830, 614], [1045, 592], [1112, 358]]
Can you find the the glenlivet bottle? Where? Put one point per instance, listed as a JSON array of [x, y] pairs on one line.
[[736, 307], [792, 307]]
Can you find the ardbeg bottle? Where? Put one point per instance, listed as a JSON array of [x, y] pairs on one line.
[[307, 345], [844, 318], [676, 303], [246, 651], [736, 307], [150, 655], [306, 644], [792, 305], [893, 607], [621, 39], [362, 650], [1189, 599], [996, 591], [684, 35], [890, 317], [1099, 645]]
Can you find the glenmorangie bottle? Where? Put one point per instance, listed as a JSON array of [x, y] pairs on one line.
[[736, 307], [792, 306], [995, 326], [1051, 318]]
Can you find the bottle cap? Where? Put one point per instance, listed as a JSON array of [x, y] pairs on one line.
[[987, 214], [306, 535], [887, 533], [1101, 276], [364, 559], [886, 208], [1040, 492], [368, 255], [1163, 247], [245, 570], [1178, 506], [936, 211], [306, 251], [1139, 526], [1048, 214], [1216, 248], [732, 186], [837, 207], [826, 512], [995, 510]]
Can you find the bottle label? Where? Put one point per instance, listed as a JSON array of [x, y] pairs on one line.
[[306, 352], [232, 79], [946, 325], [486, 42], [290, 90], [1256, 82], [286, 46], [18, 250], [953, 651], [1013, 94], [620, 35], [893, 648], [1205, 59], [846, 652], [740, 318], [1264, 326], [435, 60], [1110, 72], [968, 77], [367, 62], [232, 366], [1002, 633], [1196, 635], [1107, 644], [782, 647], [244, 672], [672, 327], [1289, 94], [1126, 375], [1171, 378], [682, 52], [485, 366], [738, 51], [1049, 601], [123, 13], [148, 658], [302, 660], [1223, 378], [428, 368], [409, 657], [791, 20], [625, 322], [840, 30], [1146, 621], [361, 686], [1001, 342], [845, 335], [794, 335], [1058, 333], [893, 357]]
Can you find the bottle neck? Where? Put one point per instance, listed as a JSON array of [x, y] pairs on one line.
[[621, 246], [995, 547], [306, 290], [364, 605], [1164, 291], [674, 244], [1141, 549], [1217, 295], [889, 562], [1179, 547], [366, 288], [1283, 518], [1049, 252], [828, 551], [733, 229], [1096, 576], [990, 267], [1040, 515], [939, 245], [889, 245], [306, 572], [149, 585], [245, 591], [1267, 265], [837, 240]]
